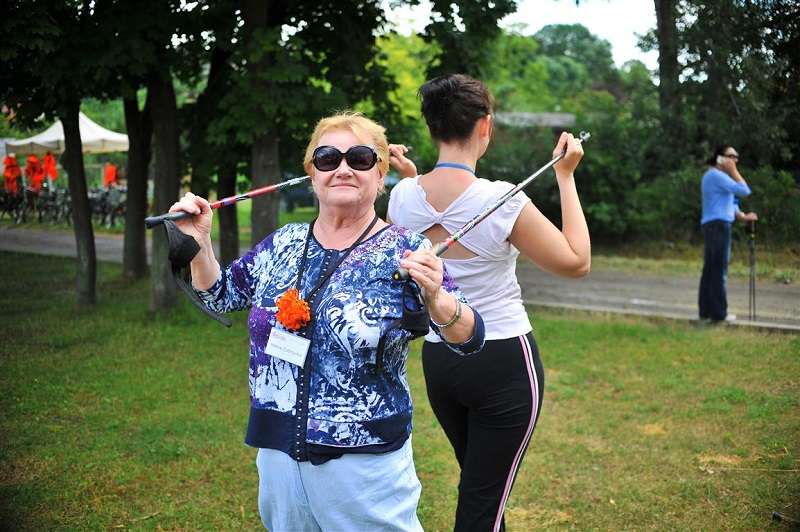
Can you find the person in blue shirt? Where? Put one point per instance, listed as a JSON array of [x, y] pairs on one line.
[[721, 183]]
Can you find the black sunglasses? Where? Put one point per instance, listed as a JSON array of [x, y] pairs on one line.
[[359, 157]]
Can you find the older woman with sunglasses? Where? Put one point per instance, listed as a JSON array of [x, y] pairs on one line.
[[329, 336]]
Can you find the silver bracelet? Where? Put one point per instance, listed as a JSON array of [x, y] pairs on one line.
[[453, 320]]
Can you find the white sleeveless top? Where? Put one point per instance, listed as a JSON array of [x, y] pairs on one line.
[[489, 279]]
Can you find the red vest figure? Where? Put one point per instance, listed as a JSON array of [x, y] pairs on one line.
[[11, 173]]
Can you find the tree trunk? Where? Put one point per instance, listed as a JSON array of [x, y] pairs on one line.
[[228, 219], [265, 167], [166, 186], [669, 93], [266, 171], [86, 271], [140, 130]]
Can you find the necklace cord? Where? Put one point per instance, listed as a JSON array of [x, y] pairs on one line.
[[454, 165], [338, 263]]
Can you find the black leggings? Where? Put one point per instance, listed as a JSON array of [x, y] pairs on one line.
[[487, 404]]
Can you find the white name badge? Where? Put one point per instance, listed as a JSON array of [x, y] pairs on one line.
[[288, 346]]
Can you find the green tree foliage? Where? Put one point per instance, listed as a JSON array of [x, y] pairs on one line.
[[462, 29], [574, 43], [253, 78], [405, 57], [294, 67], [555, 77], [520, 74], [214, 158], [625, 181], [611, 170], [728, 73], [515, 153], [734, 79], [667, 209], [780, 30]]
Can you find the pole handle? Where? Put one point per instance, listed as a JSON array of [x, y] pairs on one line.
[[401, 274], [152, 221]]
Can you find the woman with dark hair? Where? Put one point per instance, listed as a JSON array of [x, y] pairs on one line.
[[488, 403], [721, 183]]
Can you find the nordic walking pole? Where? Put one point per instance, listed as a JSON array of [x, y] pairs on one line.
[[402, 274], [752, 230], [153, 221]]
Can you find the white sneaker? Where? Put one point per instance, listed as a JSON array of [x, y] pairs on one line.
[[730, 317]]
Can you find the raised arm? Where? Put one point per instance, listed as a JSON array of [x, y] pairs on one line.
[[398, 159], [566, 252]]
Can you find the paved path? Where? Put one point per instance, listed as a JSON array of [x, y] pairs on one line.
[[777, 306], [674, 297]]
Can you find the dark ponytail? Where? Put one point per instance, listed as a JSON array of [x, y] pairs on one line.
[[452, 105]]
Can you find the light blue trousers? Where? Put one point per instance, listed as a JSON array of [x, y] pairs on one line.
[[356, 492]]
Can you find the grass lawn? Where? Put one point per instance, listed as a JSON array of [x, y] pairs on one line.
[[119, 418]]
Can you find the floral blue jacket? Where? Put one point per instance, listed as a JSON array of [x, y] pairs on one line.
[[340, 401]]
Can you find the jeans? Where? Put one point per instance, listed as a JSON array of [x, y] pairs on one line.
[[712, 299], [374, 492]]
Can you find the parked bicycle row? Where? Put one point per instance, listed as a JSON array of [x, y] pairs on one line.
[[53, 205]]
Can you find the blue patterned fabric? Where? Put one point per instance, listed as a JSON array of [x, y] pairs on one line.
[[337, 402]]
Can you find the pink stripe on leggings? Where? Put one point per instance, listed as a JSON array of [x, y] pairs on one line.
[[526, 347]]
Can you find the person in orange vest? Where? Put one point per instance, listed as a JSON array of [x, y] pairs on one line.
[[49, 164], [11, 173], [110, 175], [35, 173]]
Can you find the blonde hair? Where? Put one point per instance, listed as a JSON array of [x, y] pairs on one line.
[[365, 129]]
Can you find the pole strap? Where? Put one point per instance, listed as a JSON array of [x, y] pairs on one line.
[[182, 249]]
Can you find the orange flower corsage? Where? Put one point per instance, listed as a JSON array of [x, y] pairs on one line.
[[293, 312]]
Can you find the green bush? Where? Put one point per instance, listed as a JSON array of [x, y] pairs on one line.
[[669, 207], [776, 200]]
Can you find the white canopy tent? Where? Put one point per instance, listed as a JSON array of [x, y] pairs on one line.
[[95, 139]]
